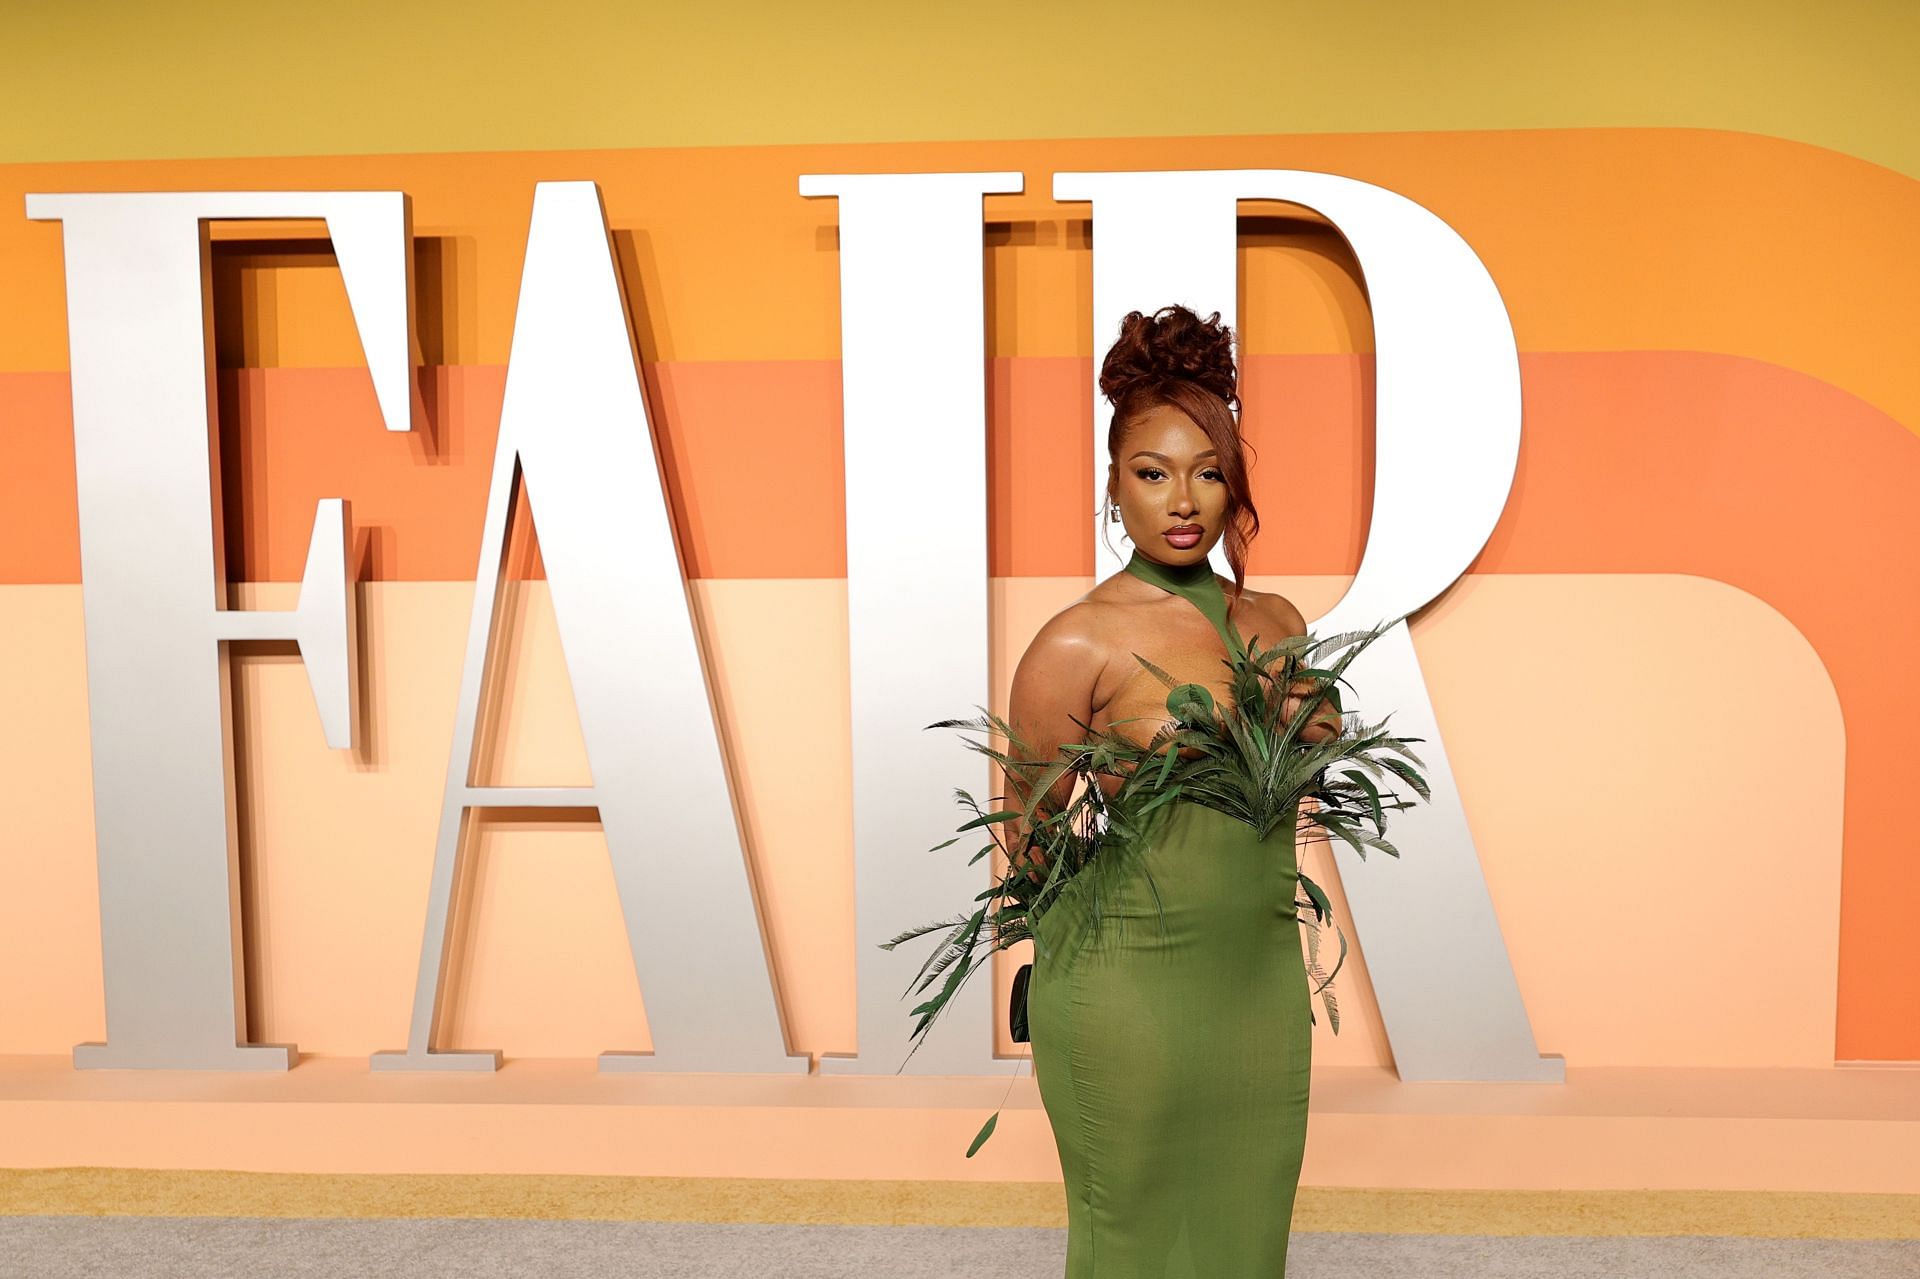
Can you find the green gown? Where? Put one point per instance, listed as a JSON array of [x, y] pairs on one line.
[[1171, 1036]]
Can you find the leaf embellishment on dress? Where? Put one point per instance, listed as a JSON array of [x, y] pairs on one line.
[[1191, 704], [1247, 759]]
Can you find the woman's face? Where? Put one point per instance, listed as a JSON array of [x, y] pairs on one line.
[[1168, 483]]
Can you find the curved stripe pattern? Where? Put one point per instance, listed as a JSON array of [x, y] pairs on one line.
[[1717, 330]]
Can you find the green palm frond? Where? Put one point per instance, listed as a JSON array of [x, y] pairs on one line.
[[1158, 674]]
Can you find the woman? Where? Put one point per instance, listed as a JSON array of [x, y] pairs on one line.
[[1170, 1033]]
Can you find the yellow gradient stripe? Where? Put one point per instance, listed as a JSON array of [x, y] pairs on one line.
[[168, 81]]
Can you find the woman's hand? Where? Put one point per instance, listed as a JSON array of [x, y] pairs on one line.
[[1026, 856], [1325, 720]]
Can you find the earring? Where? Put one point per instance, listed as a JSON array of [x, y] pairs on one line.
[[1113, 512]]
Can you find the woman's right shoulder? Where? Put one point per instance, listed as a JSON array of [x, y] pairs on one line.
[[1088, 626], [1079, 623], [1059, 674], [1077, 634]]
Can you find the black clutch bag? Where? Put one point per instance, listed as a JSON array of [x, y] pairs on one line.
[[1017, 1007]]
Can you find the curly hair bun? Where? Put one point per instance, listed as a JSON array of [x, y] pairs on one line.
[[1172, 343]]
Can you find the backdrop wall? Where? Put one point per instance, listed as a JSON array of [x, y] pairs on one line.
[[1702, 229]]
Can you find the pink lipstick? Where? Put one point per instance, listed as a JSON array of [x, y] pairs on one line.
[[1184, 536]]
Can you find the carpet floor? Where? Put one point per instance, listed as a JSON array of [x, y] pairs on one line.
[[428, 1248]]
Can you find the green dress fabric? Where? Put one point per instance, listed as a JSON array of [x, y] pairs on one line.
[[1172, 1045]]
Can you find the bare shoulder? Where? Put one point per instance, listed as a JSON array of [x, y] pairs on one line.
[[1076, 635], [1055, 681], [1273, 615], [1069, 654]]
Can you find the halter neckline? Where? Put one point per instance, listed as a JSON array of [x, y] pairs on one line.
[[1197, 584]]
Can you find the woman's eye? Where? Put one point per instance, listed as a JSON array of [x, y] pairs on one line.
[[1154, 472]]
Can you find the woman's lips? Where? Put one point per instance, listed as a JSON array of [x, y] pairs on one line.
[[1186, 539]]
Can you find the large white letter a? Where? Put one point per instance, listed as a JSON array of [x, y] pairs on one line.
[[574, 422]]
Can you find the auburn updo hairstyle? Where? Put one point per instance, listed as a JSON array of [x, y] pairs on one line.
[[1174, 357]]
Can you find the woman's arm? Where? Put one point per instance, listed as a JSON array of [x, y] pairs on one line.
[[1053, 683]]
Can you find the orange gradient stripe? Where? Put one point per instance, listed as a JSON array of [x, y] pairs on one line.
[[754, 468], [1599, 239]]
